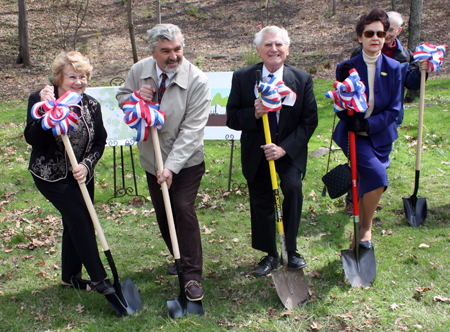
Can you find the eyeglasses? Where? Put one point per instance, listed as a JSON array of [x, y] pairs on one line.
[[370, 34], [74, 78], [392, 30]]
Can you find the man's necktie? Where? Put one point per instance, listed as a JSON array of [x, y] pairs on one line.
[[162, 86], [273, 123]]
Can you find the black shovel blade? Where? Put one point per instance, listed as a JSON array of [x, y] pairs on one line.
[[176, 308], [362, 274], [415, 210], [126, 300], [291, 286]]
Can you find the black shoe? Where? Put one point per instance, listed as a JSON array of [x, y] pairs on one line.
[[366, 244], [104, 287], [77, 283], [266, 265], [172, 270], [296, 261]]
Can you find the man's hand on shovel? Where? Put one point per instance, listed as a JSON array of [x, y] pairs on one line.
[[166, 176], [273, 151]]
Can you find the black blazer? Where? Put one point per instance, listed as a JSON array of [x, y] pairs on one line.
[[48, 159], [296, 123]]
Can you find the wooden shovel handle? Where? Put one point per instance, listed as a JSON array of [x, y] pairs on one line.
[[87, 198], [166, 197]]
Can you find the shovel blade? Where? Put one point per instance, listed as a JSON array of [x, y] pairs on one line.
[[362, 274], [415, 210], [126, 300], [291, 286], [176, 308]]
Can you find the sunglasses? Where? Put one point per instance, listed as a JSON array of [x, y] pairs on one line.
[[370, 34]]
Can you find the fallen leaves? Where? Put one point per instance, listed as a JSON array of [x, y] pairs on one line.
[[314, 274], [316, 325], [393, 306], [207, 230], [79, 308], [440, 298], [423, 245], [346, 316]]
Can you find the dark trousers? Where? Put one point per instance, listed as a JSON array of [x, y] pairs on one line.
[[79, 245], [182, 192], [262, 206]]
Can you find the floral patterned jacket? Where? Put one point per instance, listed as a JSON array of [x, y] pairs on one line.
[[48, 160]]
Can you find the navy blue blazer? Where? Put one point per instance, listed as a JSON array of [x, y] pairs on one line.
[[295, 126], [388, 101]]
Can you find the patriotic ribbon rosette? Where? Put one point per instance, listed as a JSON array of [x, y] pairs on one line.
[[272, 92], [434, 53], [58, 115], [350, 94], [140, 115]]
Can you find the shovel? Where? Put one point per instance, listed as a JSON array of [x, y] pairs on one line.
[[126, 300], [359, 263], [416, 208], [291, 285], [181, 306]]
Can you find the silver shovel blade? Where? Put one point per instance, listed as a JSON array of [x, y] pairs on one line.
[[415, 210], [362, 274], [129, 302], [177, 310], [291, 286]]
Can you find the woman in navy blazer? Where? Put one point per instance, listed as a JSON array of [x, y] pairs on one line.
[[375, 130]]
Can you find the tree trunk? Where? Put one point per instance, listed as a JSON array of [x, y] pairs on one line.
[[158, 11], [131, 29], [334, 7], [24, 50], [394, 7], [415, 20]]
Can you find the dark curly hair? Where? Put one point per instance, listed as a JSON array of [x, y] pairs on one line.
[[376, 14]]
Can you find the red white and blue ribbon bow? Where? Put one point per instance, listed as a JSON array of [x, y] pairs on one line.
[[272, 92], [141, 115], [349, 94], [434, 53], [58, 115]]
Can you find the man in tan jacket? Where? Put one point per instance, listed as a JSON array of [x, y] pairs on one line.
[[184, 95]]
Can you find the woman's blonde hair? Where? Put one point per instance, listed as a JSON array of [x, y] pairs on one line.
[[75, 59]]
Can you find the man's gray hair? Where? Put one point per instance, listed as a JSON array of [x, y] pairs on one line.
[[161, 32], [271, 29], [397, 16]]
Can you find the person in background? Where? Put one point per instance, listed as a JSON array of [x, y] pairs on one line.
[[292, 127], [411, 73], [184, 95], [58, 181], [376, 129]]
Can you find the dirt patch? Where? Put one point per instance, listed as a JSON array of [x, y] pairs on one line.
[[219, 35]]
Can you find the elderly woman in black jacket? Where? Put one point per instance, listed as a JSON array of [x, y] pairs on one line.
[[55, 178]]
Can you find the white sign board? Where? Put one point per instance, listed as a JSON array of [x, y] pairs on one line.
[[120, 134]]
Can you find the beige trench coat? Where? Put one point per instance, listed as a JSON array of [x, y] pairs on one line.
[[186, 103]]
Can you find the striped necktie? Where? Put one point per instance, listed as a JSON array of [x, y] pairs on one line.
[[162, 86]]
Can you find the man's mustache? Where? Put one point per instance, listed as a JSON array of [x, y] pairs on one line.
[[170, 61]]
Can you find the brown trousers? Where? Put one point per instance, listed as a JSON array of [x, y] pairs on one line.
[[182, 192]]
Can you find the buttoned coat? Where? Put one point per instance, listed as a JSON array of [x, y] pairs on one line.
[[387, 89], [186, 104], [295, 126]]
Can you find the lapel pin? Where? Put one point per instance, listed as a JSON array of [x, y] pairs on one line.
[[383, 73]]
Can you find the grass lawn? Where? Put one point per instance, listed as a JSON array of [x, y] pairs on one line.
[[411, 291]]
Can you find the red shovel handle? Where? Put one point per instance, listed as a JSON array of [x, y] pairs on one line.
[[353, 168]]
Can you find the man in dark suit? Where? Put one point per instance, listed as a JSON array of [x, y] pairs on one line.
[[292, 127]]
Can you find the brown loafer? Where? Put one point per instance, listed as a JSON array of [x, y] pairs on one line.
[[194, 291]]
